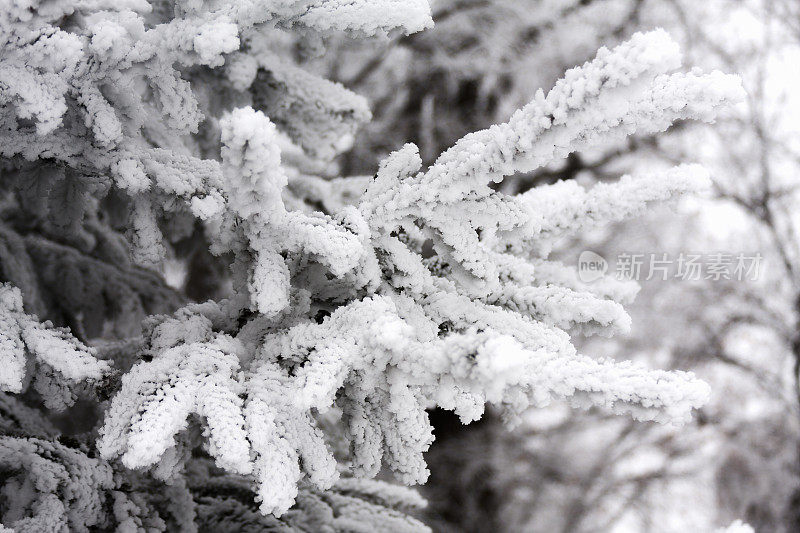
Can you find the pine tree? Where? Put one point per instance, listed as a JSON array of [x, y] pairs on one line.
[[134, 131]]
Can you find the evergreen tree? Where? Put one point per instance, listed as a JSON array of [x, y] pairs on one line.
[[145, 141]]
